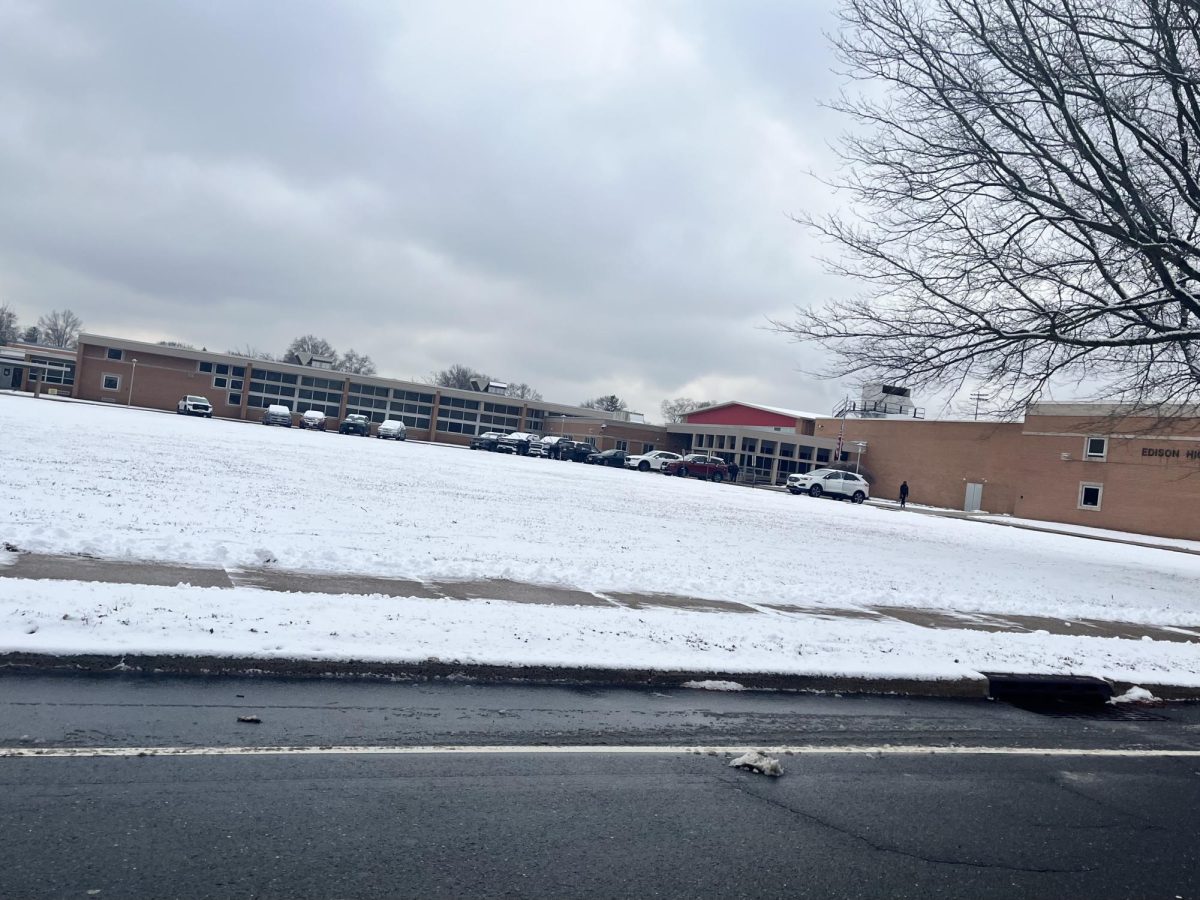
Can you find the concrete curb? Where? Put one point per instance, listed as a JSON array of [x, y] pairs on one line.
[[39, 663]]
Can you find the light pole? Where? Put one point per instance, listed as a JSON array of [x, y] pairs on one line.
[[132, 376], [860, 446]]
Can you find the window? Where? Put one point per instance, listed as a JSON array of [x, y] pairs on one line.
[[112, 382], [235, 400], [1095, 448], [647, 448], [239, 371], [1089, 495], [622, 445], [114, 353], [822, 455], [206, 367], [222, 369], [235, 384], [221, 383]]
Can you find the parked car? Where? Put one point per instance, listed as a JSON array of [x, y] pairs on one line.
[[615, 458], [654, 460], [355, 424], [313, 419], [277, 414], [550, 445], [697, 465], [518, 442], [576, 451], [835, 483], [536, 447], [392, 430], [194, 406], [489, 440]]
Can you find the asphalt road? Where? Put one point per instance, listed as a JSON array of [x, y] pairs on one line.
[[367, 822]]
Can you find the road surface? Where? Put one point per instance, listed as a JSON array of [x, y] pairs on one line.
[[443, 790]]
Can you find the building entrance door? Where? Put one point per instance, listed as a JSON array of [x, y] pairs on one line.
[[10, 377], [974, 498]]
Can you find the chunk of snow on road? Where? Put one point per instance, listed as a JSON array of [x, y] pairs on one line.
[[758, 762], [1135, 695], [713, 685]]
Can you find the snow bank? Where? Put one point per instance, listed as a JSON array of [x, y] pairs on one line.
[[82, 618]]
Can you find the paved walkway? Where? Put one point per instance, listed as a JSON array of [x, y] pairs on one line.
[[82, 568]]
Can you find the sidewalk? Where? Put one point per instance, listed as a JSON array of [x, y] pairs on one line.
[[140, 616]]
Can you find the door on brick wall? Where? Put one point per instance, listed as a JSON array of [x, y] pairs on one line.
[[974, 499], [10, 377]]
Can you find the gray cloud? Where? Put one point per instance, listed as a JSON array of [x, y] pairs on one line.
[[589, 197]]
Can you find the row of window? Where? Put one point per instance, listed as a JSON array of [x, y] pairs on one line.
[[220, 369], [59, 372], [277, 377]]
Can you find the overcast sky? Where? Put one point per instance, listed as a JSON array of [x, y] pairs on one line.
[[589, 197]]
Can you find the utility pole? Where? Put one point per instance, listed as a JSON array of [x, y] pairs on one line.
[[978, 398]]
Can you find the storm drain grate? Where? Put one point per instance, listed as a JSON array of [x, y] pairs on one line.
[[1122, 713]]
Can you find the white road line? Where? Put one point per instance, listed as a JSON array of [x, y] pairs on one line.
[[379, 750]]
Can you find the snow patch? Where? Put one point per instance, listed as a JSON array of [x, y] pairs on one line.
[[754, 761], [714, 685], [1135, 695]]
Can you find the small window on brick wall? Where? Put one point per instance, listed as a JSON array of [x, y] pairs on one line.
[[114, 353], [112, 382], [1095, 448], [1090, 495]]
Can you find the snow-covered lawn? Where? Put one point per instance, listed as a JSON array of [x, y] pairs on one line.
[[132, 484]]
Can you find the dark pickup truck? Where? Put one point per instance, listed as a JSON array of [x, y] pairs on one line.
[[576, 451], [489, 440]]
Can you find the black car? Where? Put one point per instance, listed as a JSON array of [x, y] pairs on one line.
[[489, 440], [355, 425], [576, 451], [615, 458]]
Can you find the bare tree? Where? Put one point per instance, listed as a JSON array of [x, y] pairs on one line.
[[309, 343], [32, 335], [177, 345], [458, 376], [1026, 198], [9, 330], [608, 403], [522, 391], [675, 410], [249, 351], [60, 329], [355, 364]]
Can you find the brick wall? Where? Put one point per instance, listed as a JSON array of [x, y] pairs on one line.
[[937, 459], [1150, 474]]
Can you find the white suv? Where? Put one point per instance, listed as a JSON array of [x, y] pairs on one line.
[[835, 483], [654, 460], [194, 406]]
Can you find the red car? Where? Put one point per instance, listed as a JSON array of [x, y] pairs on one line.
[[698, 465]]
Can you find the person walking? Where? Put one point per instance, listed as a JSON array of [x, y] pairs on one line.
[[733, 470], [903, 494]]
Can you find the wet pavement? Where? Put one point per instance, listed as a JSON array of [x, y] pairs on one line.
[[83, 568]]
